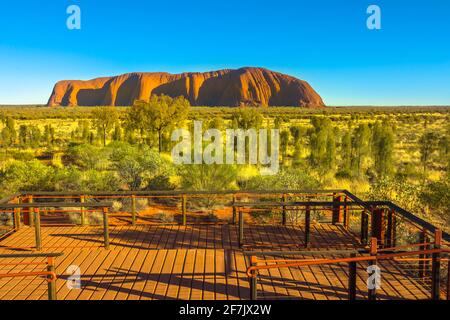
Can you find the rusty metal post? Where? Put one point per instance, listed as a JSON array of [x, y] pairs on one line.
[[183, 209], [16, 219], [352, 279], [82, 211], [389, 229], [234, 210], [364, 227], [448, 279], [346, 213], [337, 209], [106, 228], [133, 210], [254, 279], [37, 229], [372, 293], [26, 213], [377, 225], [51, 283], [394, 229], [307, 225], [241, 228], [30, 210], [423, 265], [283, 214], [436, 267]]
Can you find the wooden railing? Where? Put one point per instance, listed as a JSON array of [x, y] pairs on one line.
[[373, 256], [49, 274], [32, 216], [378, 219]]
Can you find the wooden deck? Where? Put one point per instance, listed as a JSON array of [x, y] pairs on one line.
[[192, 262]]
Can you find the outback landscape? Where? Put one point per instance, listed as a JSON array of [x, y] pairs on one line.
[[189, 151], [393, 153]]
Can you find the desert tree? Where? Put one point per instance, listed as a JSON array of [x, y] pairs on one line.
[[158, 115], [383, 148], [8, 133], [360, 147], [284, 143], [118, 133], [322, 144], [246, 118], [104, 120], [428, 145], [346, 152], [23, 135]]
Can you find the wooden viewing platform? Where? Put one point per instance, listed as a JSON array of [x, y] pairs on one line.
[[193, 262], [134, 254]]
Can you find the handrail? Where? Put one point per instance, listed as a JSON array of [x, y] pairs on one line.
[[404, 213], [374, 256], [37, 216], [368, 205], [303, 252], [50, 274], [56, 204], [250, 269], [182, 192]]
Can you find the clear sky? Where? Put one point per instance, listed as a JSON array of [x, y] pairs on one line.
[[325, 42]]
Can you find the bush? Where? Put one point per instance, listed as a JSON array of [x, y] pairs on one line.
[[286, 179], [165, 217], [116, 206], [140, 168]]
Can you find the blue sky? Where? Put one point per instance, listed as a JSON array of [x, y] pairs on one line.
[[325, 42]]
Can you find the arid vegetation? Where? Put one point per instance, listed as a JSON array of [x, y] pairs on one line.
[[401, 154]]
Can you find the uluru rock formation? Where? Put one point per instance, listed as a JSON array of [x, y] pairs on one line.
[[245, 86]]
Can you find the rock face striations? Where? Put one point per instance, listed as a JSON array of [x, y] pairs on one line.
[[241, 87]]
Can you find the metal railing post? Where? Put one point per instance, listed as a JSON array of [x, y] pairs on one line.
[[448, 279], [283, 214], [378, 225], [82, 211], [364, 227], [352, 279], [337, 209], [423, 265], [30, 211], [37, 229], [133, 210], [389, 229], [183, 209], [307, 225], [16, 219], [346, 213], [106, 228], [372, 292], [51, 282], [254, 279], [436, 267], [234, 210], [241, 228]]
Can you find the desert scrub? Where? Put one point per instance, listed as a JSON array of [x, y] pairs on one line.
[[116, 206], [91, 218], [74, 215], [141, 204], [95, 218], [165, 217]]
